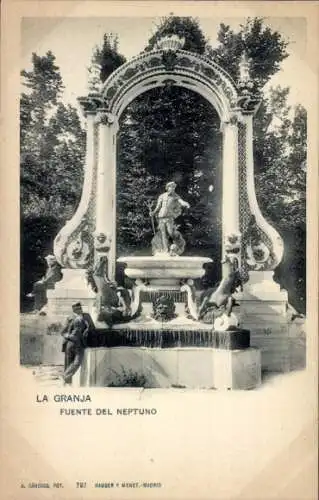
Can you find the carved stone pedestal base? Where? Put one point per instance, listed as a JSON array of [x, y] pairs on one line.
[[240, 369], [188, 367], [261, 286], [263, 311], [72, 288]]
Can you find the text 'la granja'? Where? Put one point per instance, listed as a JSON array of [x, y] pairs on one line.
[[64, 398]]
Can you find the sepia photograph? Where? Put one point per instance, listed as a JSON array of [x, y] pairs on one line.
[[163, 201], [164, 220]]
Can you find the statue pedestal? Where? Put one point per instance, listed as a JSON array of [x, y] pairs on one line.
[[184, 367], [164, 275], [163, 271], [262, 287], [263, 310], [72, 288], [180, 352], [170, 355], [236, 369]]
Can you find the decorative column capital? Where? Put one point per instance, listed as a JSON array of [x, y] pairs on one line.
[[104, 117], [89, 104], [233, 120], [248, 102]]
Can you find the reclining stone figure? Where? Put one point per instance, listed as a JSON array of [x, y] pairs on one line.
[[39, 290], [113, 303], [218, 300]]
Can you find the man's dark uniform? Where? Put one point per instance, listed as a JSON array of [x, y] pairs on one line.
[[75, 335]]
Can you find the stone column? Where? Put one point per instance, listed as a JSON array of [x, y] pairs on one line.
[[250, 166], [263, 304], [272, 239], [106, 184], [82, 219], [230, 204], [90, 156], [74, 286]]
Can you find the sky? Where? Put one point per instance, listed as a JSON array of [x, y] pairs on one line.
[[72, 41]]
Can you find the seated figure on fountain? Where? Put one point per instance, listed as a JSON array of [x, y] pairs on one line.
[[168, 240], [216, 303], [39, 290], [113, 302]]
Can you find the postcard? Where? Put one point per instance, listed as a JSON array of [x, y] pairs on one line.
[[159, 264]]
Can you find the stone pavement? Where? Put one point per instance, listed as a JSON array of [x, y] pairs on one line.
[[47, 375]]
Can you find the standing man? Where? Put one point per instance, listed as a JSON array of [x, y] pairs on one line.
[[75, 334], [169, 207]]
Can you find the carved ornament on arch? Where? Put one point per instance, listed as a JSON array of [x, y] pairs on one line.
[[104, 117], [73, 246], [248, 102], [235, 118], [90, 104], [150, 64]]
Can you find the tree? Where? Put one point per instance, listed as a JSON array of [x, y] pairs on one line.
[[167, 133], [271, 128], [52, 143], [186, 27], [265, 48], [281, 191], [107, 55], [52, 149], [162, 139], [45, 87], [281, 165], [52, 152]]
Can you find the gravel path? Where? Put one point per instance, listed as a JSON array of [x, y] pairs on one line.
[[47, 375]]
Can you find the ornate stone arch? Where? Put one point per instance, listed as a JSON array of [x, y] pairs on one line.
[[244, 228], [185, 69]]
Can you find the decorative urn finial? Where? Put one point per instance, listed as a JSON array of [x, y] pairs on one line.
[[248, 93], [245, 82], [94, 78], [244, 69], [171, 43]]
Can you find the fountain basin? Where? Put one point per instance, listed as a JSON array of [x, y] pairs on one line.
[[164, 271]]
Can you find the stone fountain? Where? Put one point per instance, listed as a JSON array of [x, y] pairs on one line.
[[166, 273], [167, 326], [162, 311]]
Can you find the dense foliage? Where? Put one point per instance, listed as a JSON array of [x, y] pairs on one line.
[[265, 48], [161, 139], [107, 56], [185, 27], [52, 148], [52, 144]]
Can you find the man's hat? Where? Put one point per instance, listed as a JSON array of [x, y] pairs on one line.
[[76, 305], [171, 184], [50, 257]]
